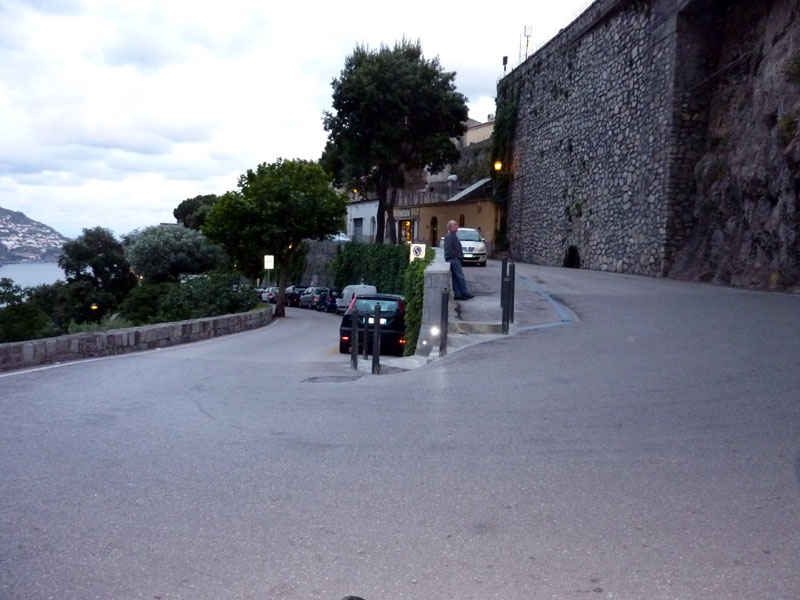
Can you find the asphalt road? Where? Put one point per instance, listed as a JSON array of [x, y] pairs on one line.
[[650, 449]]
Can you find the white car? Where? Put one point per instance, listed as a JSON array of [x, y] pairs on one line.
[[472, 245], [352, 290]]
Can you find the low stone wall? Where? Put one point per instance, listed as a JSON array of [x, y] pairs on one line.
[[17, 355]]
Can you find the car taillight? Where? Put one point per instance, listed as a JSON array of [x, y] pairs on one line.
[[345, 338], [400, 307], [401, 341]]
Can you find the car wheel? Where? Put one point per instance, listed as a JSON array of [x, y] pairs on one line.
[[483, 264], [344, 347]]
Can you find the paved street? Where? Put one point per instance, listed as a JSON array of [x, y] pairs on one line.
[[648, 449]]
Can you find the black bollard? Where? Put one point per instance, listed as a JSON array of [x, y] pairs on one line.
[[376, 342], [444, 322], [512, 290], [505, 293], [503, 275], [355, 325]]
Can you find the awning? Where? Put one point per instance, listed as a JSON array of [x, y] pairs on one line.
[[473, 188]]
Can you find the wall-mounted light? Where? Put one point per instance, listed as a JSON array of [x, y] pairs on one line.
[[498, 165]]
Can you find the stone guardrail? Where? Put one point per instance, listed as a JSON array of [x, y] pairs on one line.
[[18, 355]]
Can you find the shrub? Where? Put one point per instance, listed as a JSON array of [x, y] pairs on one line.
[[413, 290], [381, 265], [211, 295], [143, 304], [21, 318]]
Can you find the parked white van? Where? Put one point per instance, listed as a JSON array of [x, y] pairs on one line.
[[352, 290]]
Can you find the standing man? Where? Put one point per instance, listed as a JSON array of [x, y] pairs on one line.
[[454, 255]]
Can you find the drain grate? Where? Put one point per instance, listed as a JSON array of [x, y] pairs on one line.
[[331, 379]]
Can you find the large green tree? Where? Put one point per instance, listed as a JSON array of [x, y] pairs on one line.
[[275, 208], [192, 211], [96, 257], [162, 253], [393, 111]]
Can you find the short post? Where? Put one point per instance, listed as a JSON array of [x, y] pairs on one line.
[[365, 333], [444, 322], [512, 289], [503, 275], [355, 325], [376, 342], [505, 294]]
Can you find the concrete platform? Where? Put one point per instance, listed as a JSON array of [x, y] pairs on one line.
[[479, 319]]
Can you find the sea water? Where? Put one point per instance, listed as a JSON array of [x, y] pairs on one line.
[[32, 273]]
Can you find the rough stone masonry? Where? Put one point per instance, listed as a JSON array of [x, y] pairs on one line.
[[660, 137]]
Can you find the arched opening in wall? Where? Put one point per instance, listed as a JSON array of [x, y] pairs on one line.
[[372, 225], [461, 221], [434, 231], [572, 259]]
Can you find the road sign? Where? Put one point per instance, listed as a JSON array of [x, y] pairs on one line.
[[417, 252]]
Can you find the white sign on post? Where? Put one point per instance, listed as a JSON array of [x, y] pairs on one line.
[[269, 262], [417, 252]]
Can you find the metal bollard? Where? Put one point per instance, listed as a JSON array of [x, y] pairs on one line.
[[376, 342], [503, 275], [512, 289], [444, 322], [355, 325], [365, 343], [505, 294]]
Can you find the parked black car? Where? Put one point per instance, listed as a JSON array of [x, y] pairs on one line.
[[362, 310], [328, 302], [292, 294]]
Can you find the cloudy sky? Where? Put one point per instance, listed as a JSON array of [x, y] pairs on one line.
[[114, 111]]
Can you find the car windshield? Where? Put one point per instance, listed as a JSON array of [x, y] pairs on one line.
[[468, 235], [367, 305]]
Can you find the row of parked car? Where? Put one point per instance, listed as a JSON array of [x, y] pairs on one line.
[[357, 303]]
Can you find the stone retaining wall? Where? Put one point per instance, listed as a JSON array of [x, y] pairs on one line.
[[17, 355]]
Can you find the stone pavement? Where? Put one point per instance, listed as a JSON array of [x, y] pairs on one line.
[[480, 319]]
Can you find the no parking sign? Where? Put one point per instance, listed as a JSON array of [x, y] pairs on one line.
[[417, 252]]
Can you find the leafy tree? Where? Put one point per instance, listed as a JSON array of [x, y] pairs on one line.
[[394, 111], [276, 207], [192, 212], [163, 253], [70, 303], [21, 318], [143, 304], [210, 295], [98, 258]]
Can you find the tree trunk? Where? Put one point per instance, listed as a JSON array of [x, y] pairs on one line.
[[380, 225], [390, 217], [283, 279]]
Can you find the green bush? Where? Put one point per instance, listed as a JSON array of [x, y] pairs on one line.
[[143, 304], [110, 322], [21, 318], [211, 295], [414, 291], [381, 265]]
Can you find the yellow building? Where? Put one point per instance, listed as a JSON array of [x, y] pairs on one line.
[[422, 217]]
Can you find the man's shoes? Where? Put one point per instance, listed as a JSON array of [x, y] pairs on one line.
[[468, 296]]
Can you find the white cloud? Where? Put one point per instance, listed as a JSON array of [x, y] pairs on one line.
[[112, 113]]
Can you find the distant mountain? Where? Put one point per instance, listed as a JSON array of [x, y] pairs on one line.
[[25, 240]]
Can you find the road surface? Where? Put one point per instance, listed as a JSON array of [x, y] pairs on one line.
[[651, 449]]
